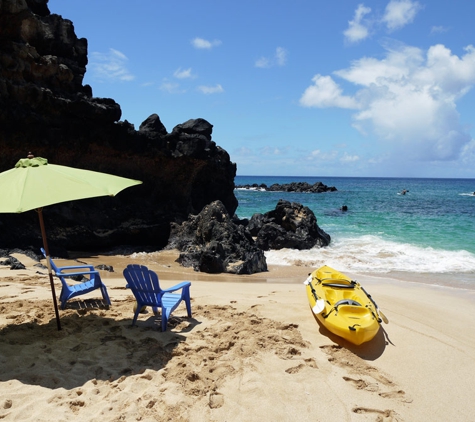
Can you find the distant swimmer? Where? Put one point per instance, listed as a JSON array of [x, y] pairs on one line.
[[345, 208], [403, 192]]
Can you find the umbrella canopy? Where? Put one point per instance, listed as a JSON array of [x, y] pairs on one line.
[[34, 184]]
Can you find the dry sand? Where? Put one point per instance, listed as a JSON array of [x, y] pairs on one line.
[[251, 352]]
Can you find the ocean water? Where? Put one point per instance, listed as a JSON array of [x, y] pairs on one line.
[[429, 230]]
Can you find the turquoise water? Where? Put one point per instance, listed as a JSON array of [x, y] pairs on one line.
[[430, 229]]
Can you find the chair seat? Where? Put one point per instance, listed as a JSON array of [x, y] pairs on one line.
[[171, 299], [85, 287]]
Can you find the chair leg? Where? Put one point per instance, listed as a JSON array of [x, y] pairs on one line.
[[186, 298], [105, 295], [63, 297], [136, 314], [164, 321]]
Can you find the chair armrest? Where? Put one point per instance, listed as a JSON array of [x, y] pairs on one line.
[[61, 274], [177, 287], [76, 267]]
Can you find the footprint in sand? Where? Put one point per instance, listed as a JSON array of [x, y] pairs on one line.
[[26, 290], [361, 384], [148, 376], [290, 326], [355, 365], [383, 415], [400, 394], [216, 400], [309, 363], [150, 404], [75, 405]]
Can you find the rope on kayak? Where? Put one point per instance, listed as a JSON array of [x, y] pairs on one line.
[[352, 327], [374, 315], [329, 312], [313, 291]]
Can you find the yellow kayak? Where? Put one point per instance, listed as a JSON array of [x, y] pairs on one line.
[[342, 305]]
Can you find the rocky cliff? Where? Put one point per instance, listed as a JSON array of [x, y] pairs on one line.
[[46, 109]]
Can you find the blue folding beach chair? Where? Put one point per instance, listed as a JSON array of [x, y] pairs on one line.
[[92, 281], [146, 289]]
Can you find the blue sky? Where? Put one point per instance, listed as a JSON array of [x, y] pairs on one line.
[[301, 87]]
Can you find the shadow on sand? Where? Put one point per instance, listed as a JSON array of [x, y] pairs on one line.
[[94, 344], [370, 350]]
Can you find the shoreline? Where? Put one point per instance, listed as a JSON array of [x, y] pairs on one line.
[[252, 351], [164, 261]]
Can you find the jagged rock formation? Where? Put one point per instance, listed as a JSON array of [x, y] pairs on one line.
[[46, 109], [289, 225], [212, 242]]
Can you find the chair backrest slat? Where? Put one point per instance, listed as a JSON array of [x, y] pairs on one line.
[[143, 282]]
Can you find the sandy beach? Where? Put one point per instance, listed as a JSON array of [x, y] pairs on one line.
[[251, 352]]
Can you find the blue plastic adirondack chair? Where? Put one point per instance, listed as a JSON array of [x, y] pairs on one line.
[[146, 289], [68, 291]]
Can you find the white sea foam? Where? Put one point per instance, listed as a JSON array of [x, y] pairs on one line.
[[373, 254], [252, 188]]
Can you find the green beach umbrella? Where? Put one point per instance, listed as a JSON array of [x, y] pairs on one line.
[[34, 184]]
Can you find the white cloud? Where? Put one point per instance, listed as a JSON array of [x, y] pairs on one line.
[[202, 44], [279, 59], [217, 89], [171, 88], [183, 73], [408, 99], [468, 154], [243, 151], [281, 56], [329, 156], [358, 28], [270, 150], [438, 29], [111, 66], [399, 13], [326, 93], [346, 158], [263, 62]]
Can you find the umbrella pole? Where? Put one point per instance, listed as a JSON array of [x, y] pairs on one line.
[[48, 263]]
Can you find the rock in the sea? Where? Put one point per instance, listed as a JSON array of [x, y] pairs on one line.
[[317, 187], [289, 225], [212, 242]]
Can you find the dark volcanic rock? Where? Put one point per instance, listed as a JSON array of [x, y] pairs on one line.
[[13, 263], [289, 225], [152, 127], [317, 187], [46, 109], [212, 242]]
